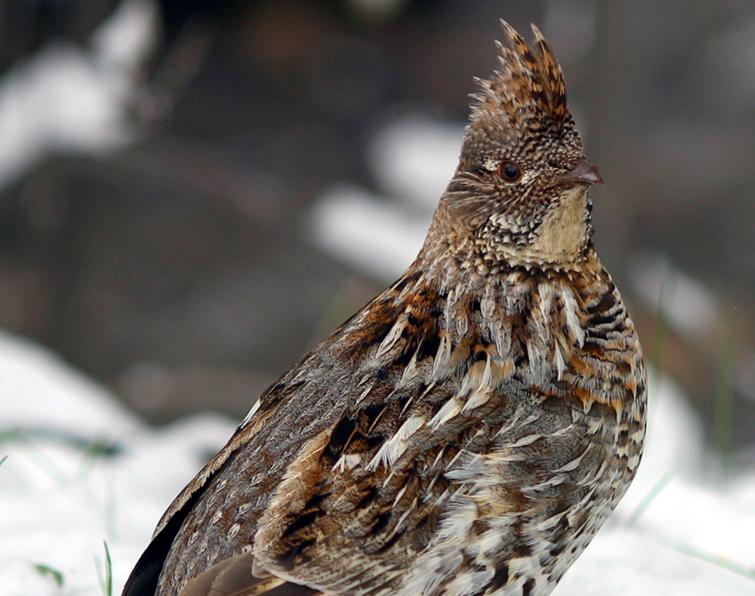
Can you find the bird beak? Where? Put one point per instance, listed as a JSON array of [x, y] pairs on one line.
[[584, 172]]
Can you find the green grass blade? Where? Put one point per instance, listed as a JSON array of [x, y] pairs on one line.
[[708, 557], [91, 453], [649, 498], [46, 571], [106, 579]]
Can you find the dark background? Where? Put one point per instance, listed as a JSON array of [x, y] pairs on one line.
[[177, 269]]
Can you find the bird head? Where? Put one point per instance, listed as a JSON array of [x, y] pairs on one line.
[[519, 197]]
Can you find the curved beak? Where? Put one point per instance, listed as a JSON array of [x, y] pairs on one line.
[[583, 172]]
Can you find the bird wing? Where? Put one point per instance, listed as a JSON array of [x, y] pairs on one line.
[[305, 401]]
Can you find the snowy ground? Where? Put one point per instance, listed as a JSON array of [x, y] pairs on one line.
[[70, 98], [63, 492]]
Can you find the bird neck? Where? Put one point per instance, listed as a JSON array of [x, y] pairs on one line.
[[494, 243], [562, 239]]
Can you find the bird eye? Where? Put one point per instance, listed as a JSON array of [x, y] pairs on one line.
[[509, 171]]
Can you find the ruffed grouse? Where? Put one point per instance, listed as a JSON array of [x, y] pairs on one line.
[[466, 432]]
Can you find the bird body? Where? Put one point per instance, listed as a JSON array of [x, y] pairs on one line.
[[471, 428]]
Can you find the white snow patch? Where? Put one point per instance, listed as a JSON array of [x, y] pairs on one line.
[[690, 307], [631, 562], [129, 36], [414, 157], [371, 234], [39, 391], [58, 502], [66, 97]]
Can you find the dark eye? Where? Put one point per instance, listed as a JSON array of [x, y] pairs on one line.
[[509, 171]]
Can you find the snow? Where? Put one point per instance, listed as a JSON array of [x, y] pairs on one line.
[[415, 156], [359, 228], [380, 234], [687, 303], [58, 502], [41, 384], [628, 563], [67, 97]]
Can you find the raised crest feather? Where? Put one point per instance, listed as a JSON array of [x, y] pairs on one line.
[[529, 83]]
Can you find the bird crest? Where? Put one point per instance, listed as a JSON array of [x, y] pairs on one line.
[[529, 84]]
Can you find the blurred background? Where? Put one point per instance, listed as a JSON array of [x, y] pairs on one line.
[[194, 192]]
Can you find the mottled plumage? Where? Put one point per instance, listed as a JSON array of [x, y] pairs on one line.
[[470, 429]]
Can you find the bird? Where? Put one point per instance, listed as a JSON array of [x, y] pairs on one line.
[[472, 427]]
